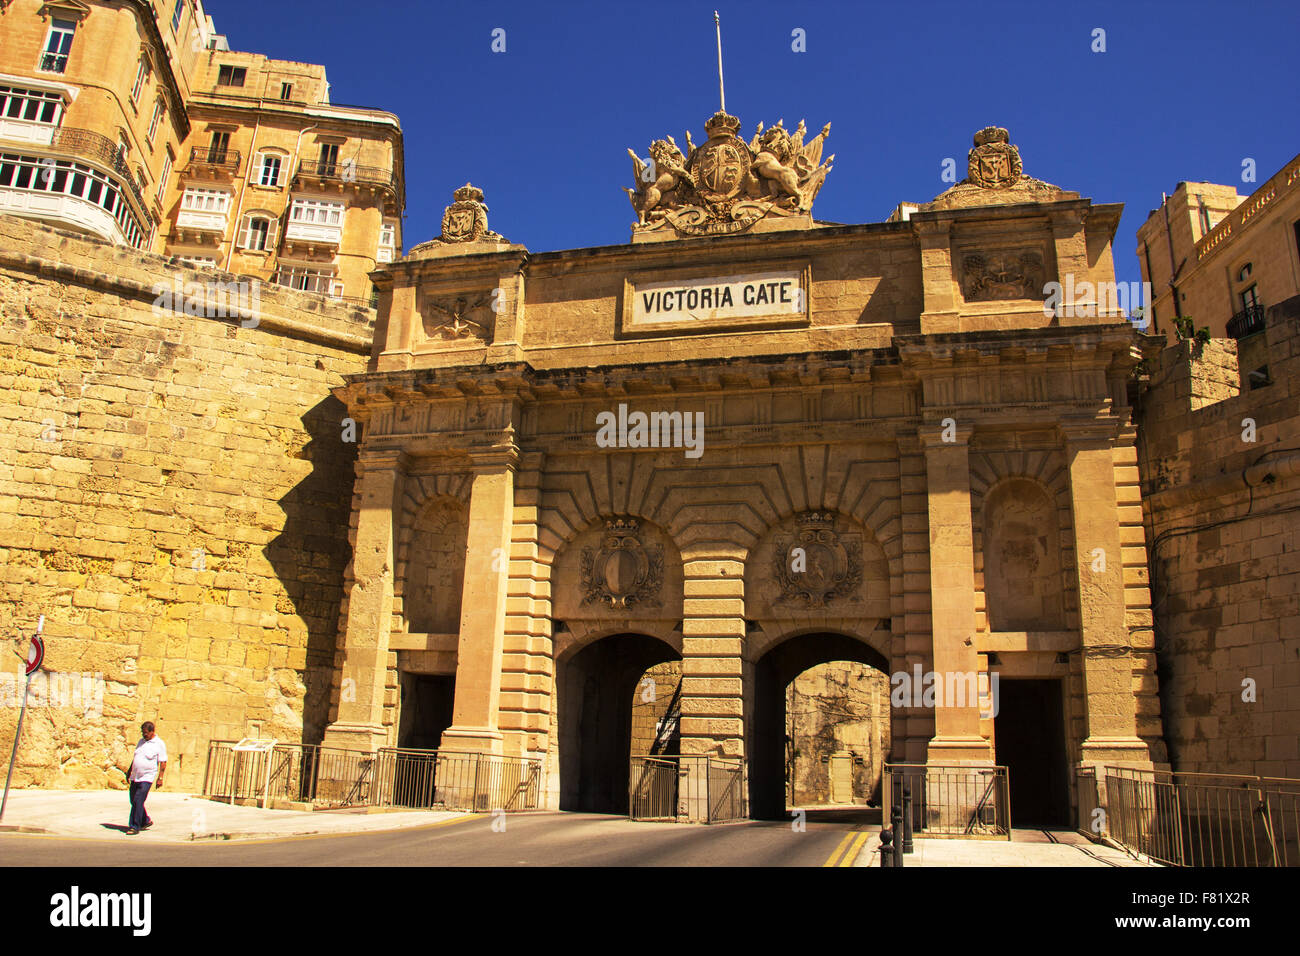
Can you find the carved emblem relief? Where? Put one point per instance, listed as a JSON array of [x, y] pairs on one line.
[[1002, 275], [994, 163], [622, 572], [727, 184], [458, 318], [465, 220], [818, 565]]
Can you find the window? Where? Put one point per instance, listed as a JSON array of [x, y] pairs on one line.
[[72, 179], [1205, 217], [57, 45], [159, 109], [166, 171], [329, 157], [259, 232], [38, 106], [305, 280], [177, 14], [1244, 274], [319, 212], [286, 91], [196, 199], [217, 148], [1249, 297], [231, 76], [199, 262], [141, 78], [387, 241], [268, 170], [123, 147]]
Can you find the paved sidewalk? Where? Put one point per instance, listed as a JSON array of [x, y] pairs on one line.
[[183, 817], [1026, 848]]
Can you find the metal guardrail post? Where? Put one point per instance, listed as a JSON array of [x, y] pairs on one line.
[[907, 817], [897, 827], [886, 850]]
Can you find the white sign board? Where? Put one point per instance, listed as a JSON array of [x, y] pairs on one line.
[[723, 300]]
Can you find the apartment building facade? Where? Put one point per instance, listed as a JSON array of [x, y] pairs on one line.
[[133, 122]]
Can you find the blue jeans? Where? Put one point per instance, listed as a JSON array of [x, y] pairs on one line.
[[139, 791]]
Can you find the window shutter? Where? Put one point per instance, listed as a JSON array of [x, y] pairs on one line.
[[272, 233], [244, 238]]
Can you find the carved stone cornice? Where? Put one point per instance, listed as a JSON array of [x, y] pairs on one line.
[[1090, 433]]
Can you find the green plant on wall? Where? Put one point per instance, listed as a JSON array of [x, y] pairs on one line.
[[1186, 330]]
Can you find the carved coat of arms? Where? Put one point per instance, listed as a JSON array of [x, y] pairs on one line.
[[622, 572], [1007, 275], [458, 317], [727, 184], [994, 163], [818, 564]]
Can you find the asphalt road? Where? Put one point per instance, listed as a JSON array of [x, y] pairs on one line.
[[532, 839]]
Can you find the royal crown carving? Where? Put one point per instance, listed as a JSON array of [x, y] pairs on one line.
[[726, 184]]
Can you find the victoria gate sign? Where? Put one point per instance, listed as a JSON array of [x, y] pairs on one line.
[[775, 297]]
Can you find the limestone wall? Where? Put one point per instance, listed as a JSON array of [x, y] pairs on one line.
[[174, 498], [1223, 511]]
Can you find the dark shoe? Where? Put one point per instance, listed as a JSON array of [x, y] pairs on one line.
[[131, 831], [147, 825]]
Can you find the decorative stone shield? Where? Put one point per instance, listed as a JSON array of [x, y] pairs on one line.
[[622, 572], [994, 163], [720, 167], [817, 565]]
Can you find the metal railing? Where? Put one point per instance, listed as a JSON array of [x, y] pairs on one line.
[[951, 800], [87, 144], [225, 160], [346, 171], [1198, 819], [688, 789], [330, 778], [1246, 322]]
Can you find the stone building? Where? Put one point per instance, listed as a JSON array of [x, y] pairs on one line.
[[1220, 459], [135, 123], [755, 443]]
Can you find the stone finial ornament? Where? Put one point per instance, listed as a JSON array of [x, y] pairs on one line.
[[465, 220], [994, 162], [726, 184], [995, 175]]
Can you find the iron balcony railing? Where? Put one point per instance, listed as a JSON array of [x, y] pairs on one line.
[[217, 160], [346, 171], [1199, 819], [951, 800], [1246, 322], [87, 144]]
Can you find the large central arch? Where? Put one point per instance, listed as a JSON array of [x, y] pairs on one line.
[[773, 672], [596, 686]]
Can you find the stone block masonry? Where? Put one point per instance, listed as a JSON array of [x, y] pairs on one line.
[[174, 498], [1221, 490]]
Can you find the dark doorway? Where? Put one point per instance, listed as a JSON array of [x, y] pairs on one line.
[[596, 690], [772, 674], [1030, 733], [426, 710]]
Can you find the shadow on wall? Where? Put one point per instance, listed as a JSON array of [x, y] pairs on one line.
[[312, 552]]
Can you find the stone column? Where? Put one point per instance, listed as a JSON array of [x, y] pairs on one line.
[[952, 594], [1107, 654], [940, 311], [364, 656], [475, 714], [1071, 245], [712, 701]]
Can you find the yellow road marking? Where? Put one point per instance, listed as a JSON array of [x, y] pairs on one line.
[[848, 837], [854, 850]]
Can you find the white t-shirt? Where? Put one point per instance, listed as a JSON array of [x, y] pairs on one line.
[[148, 755]]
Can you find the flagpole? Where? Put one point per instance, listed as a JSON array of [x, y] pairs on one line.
[[13, 755], [722, 95]]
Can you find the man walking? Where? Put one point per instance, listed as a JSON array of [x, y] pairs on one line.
[[147, 768]]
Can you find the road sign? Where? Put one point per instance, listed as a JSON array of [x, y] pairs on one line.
[[35, 654]]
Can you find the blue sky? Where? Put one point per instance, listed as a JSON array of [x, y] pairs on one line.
[[1183, 91]]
